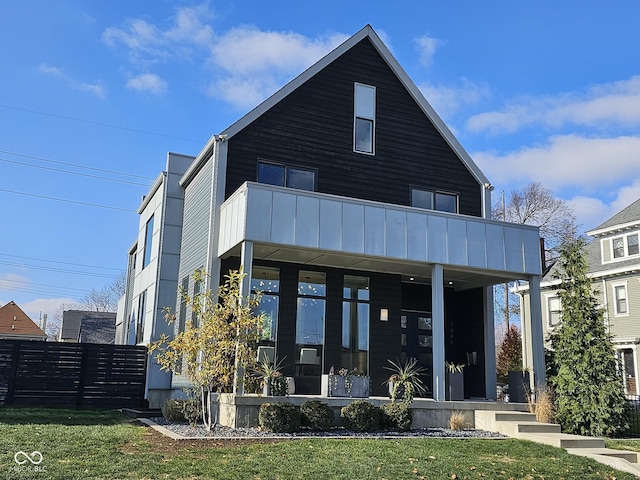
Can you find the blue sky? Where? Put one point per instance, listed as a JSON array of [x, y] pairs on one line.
[[544, 91]]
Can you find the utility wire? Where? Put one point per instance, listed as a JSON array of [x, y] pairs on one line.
[[67, 201], [99, 123], [59, 270], [63, 263], [73, 173], [28, 284], [76, 165]]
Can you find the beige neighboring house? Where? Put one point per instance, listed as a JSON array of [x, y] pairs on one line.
[[16, 325], [613, 258]]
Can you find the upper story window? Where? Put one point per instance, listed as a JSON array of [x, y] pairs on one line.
[[440, 201], [621, 306], [148, 240], [364, 118], [286, 176], [625, 246]]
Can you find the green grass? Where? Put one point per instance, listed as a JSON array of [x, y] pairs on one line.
[[97, 444]]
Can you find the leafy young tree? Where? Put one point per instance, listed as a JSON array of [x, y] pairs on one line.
[[510, 353], [589, 394], [220, 343]]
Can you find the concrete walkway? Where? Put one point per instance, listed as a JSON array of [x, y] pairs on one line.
[[524, 426]]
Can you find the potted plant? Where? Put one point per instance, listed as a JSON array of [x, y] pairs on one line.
[[405, 382], [519, 385], [273, 382], [345, 383], [454, 381]]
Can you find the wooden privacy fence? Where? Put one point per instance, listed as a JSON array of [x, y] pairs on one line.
[[51, 374]]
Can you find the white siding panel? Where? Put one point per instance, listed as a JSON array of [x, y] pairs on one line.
[[352, 228], [495, 247], [437, 239], [330, 225], [259, 215], [531, 245], [477, 244], [283, 218], [307, 221], [417, 236], [374, 226], [513, 249], [396, 233], [457, 241]]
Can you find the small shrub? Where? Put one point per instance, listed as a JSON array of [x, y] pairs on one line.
[[316, 415], [544, 405], [279, 385], [279, 417], [182, 410], [396, 416], [457, 421], [361, 416]]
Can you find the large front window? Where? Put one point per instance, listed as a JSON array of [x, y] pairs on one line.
[[355, 324], [267, 281], [310, 315]]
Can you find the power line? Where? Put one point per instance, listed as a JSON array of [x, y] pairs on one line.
[[28, 284], [63, 263], [73, 173], [67, 201], [76, 165], [99, 123], [59, 270]]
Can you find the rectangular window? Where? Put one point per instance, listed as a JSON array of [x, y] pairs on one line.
[[554, 311], [148, 241], [440, 201], [182, 316], [310, 316], [355, 324], [286, 176], [267, 281], [364, 115], [618, 247], [197, 289], [142, 306], [620, 294], [632, 244]]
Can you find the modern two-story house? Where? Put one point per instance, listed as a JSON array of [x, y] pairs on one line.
[[353, 208], [613, 263]]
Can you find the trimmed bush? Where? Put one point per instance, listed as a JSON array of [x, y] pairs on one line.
[[279, 417], [172, 411], [396, 416], [182, 410], [361, 416], [316, 415]]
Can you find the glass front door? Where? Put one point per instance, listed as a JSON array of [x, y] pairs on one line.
[[416, 341]]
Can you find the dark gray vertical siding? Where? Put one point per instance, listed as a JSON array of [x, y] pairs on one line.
[[313, 127]]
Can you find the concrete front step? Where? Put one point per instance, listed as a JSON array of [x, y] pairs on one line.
[[618, 459], [563, 440], [513, 429]]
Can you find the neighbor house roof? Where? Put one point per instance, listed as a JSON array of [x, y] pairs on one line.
[[626, 218], [14, 323], [366, 32], [88, 327]]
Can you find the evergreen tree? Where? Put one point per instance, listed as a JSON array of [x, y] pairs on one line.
[[510, 355], [589, 394]]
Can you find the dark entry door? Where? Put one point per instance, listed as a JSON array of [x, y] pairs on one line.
[[416, 340]]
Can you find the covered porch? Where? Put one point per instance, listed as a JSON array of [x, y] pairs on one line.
[[399, 264]]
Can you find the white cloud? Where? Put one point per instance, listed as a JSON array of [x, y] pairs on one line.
[[591, 212], [50, 306], [447, 100], [148, 82], [567, 161], [13, 281], [96, 89], [600, 106], [427, 48]]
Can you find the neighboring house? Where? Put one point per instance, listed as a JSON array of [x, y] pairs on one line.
[[152, 273], [365, 223], [79, 326], [16, 325], [613, 263]]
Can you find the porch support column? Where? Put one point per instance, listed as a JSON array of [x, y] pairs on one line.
[[489, 346], [533, 336], [437, 315], [246, 263]]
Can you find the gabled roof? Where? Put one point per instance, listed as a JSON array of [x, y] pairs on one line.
[[365, 33], [88, 327], [15, 323], [626, 218]]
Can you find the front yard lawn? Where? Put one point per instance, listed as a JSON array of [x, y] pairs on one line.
[[81, 444]]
